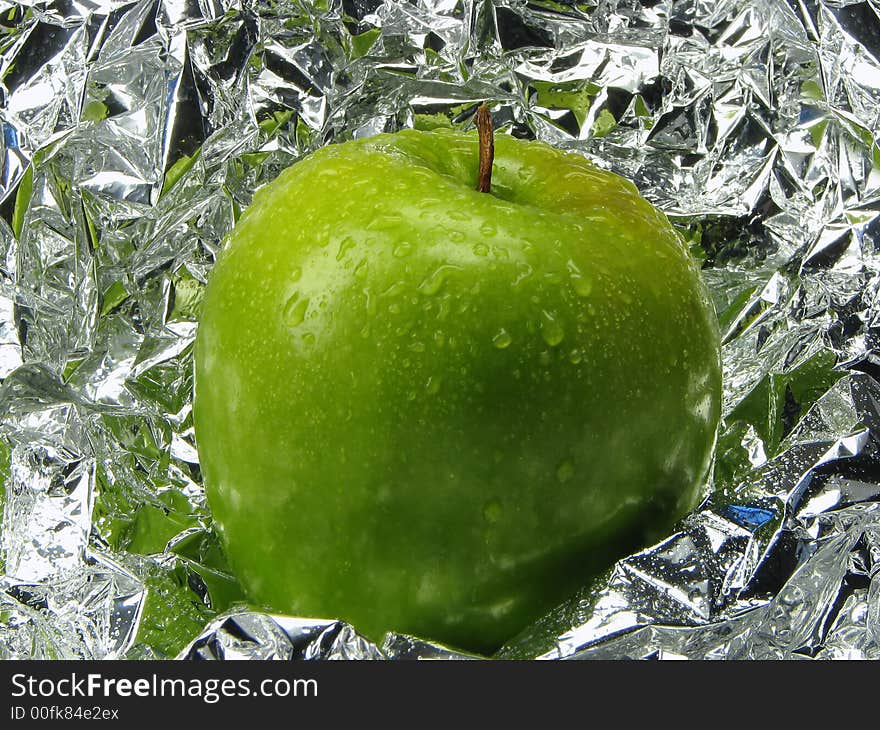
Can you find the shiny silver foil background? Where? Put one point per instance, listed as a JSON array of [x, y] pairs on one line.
[[134, 134]]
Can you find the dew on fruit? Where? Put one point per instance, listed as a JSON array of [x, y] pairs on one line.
[[295, 310], [456, 236], [575, 357], [370, 303], [578, 177], [402, 250], [433, 385], [502, 339], [443, 309], [565, 471], [384, 222], [492, 511], [488, 229], [551, 329], [434, 282], [322, 235], [396, 288], [345, 245], [481, 249], [295, 274], [583, 284], [525, 271]]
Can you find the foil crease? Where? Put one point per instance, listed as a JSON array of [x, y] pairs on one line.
[[136, 131]]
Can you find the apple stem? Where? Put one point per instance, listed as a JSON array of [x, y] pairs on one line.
[[483, 120]]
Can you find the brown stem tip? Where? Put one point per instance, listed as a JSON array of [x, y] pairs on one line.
[[483, 120]]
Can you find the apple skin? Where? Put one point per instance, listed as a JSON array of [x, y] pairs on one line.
[[425, 409]]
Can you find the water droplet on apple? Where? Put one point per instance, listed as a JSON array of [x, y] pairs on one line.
[[492, 511], [481, 249], [322, 235], [551, 330], [575, 357], [344, 245], [502, 340], [583, 285], [565, 471], [402, 249], [370, 303], [295, 310], [524, 272], [391, 295], [433, 385], [434, 282], [456, 236], [384, 222], [295, 274], [488, 229]]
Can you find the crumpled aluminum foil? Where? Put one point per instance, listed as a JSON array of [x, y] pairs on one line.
[[135, 132]]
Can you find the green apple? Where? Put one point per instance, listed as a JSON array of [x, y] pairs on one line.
[[438, 411]]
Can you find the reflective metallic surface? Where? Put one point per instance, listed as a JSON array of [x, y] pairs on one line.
[[134, 133]]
